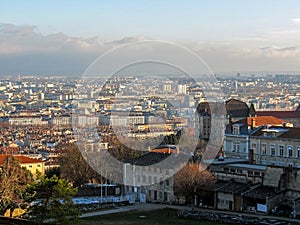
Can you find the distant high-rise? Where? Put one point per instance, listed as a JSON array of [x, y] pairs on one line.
[[181, 89], [167, 88]]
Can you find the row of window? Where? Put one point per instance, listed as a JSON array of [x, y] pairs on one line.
[[150, 180], [240, 171], [264, 162], [162, 195], [223, 201], [280, 150], [30, 166], [155, 169]]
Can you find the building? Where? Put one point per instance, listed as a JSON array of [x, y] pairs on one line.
[[211, 117], [148, 182], [292, 117], [181, 89], [237, 134], [27, 121], [237, 110], [32, 165], [278, 146]]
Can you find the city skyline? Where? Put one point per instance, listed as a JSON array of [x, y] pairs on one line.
[[65, 38]]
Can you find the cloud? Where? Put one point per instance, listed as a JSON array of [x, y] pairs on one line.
[[296, 20], [24, 39], [244, 57], [24, 50]]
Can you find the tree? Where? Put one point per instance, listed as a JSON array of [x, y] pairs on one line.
[[53, 171], [51, 199], [13, 181], [74, 167], [190, 180], [122, 152]]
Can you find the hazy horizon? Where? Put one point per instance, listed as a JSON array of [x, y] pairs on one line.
[[60, 38]]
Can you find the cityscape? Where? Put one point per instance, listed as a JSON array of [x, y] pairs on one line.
[[201, 129]]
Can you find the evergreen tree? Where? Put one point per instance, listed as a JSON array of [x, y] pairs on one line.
[[51, 200]]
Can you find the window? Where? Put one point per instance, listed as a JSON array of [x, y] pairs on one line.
[[272, 150], [253, 145], [236, 130], [264, 149], [235, 146], [290, 151], [232, 171], [281, 150], [167, 183], [256, 173], [150, 179], [298, 151]]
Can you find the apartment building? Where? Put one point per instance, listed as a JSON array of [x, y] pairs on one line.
[[278, 146]]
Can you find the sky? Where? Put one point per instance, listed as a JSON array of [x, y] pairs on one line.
[[64, 37]]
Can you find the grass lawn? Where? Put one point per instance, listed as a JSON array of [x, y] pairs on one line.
[[155, 217]]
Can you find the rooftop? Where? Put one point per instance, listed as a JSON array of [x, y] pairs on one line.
[[234, 187], [22, 159], [248, 166], [226, 161], [261, 192]]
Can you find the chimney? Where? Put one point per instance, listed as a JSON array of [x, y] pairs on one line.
[[253, 124], [230, 123], [251, 154]]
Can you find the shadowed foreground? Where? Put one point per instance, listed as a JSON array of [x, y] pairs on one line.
[[155, 217]]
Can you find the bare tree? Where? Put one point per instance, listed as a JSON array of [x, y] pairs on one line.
[[190, 180], [74, 167]]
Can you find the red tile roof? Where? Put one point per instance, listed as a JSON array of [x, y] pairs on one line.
[[264, 120], [22, 159], [163, 150]]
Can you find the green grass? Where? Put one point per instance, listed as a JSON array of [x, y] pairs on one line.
[[155, 217]]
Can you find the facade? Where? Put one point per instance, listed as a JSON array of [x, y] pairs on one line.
[[147, 182], [229, 196], [61, 120], [279, 146], [237, 135], [236, 141], [211, 119], [27, 121], [32, 165]]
